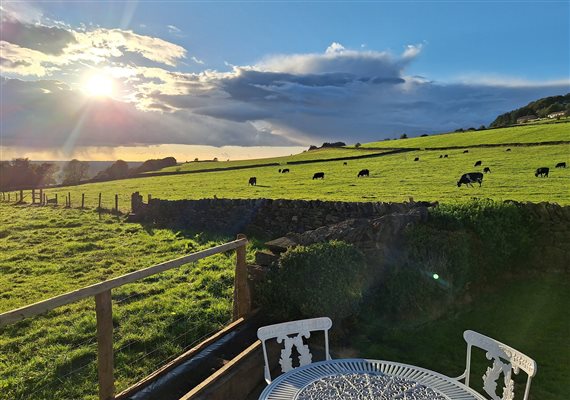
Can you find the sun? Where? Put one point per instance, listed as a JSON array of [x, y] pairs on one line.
[[99, 85]]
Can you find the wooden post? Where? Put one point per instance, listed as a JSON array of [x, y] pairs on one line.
[[41, 196], [8, 196], [56, 199], [242, 297], [33, 196], [82, 200], [21, 196], [149, 198], [104, 311], [69, 196], [99, 201], [117, 203]]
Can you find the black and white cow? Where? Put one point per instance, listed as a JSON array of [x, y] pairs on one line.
[[542, 171], [469, 178], [561, 165], [363, 172], [284, 171]]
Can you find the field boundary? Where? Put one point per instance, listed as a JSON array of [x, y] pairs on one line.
[[515, 144], [385, 153]]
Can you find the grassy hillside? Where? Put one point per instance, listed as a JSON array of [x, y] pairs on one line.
[[46, 252], [321, 154], [393, 177], [519, 134]]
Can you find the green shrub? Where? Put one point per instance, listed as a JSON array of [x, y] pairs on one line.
[[323, 279]]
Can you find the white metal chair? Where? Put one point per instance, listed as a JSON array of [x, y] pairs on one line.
[[292, 334], [498, 352]]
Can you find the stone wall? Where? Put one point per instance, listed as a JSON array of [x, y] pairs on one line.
[[261, 217]]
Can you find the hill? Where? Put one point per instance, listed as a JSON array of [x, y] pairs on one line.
[[540, 108]]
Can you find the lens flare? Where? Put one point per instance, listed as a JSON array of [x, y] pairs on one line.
[[99, 85]]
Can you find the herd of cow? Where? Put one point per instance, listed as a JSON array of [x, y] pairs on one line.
[[466, 179]]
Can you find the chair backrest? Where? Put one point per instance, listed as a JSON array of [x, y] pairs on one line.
[[292, 334], [505, 361]]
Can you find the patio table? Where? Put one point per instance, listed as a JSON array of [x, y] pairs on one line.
[[362, 379]]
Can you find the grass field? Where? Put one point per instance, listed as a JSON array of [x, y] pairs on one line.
[[519, 134], [392, 178], [322, 154], [46, 252], [529, 314]]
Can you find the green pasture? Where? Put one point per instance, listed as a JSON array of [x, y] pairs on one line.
[[46, 252], [321, 154], [395, 177], [553, 132]]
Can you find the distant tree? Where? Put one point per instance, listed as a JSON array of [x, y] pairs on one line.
[[335, 144], [118, 170], [156, 164], [357, 145], [22, 173], [482, 128], [74, 171], [403, 136], [471, 129], [215, 159], [424, 135], [196, 159], [459, 130], [313, 147], [46, 174]]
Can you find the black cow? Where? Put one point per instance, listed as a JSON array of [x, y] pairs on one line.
[[465, 151], [279, 170], [345, 163], [561, 165], [486, 169], [445, 156], [417, 159], [469, 178], [284, 171], [253, 181], [441, 156], [363, 172], [543, 171], [477, 163], [319, 175], [508, 150]]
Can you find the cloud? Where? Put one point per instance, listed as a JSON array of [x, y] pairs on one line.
[[173, 29]]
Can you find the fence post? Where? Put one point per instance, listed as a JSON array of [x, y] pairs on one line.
[[104, 311], [82, 200], [242, 297], [33, 196], [21, 196], [99, 202], [56, 199], [69, 196], [117, 203]]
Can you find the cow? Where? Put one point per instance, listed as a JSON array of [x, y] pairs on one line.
[[279, 170], [465, 151], [363, 172], [487, 170], [469, 178], [508, 149], [417, 159], [253, 181], [445, 156], [477, 163], [542, 171], [441, 156], [561, 165], [319, 175], [345, 163], [284, 171]]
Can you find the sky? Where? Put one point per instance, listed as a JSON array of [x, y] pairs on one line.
[[141, 79]]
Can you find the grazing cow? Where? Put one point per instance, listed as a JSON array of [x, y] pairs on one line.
[[469, 178], [253, 181], [477, 163], [417, 159], [508, 150], [279, 170], [445, 156], [319, 175], [284, 171], [465, 151], [345, 163], [363, 172], [543, 171], [486, 170], [561, 165], [441, 156]]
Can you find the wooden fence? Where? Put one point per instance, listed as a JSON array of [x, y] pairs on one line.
[[40, 197], [103, 304]]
